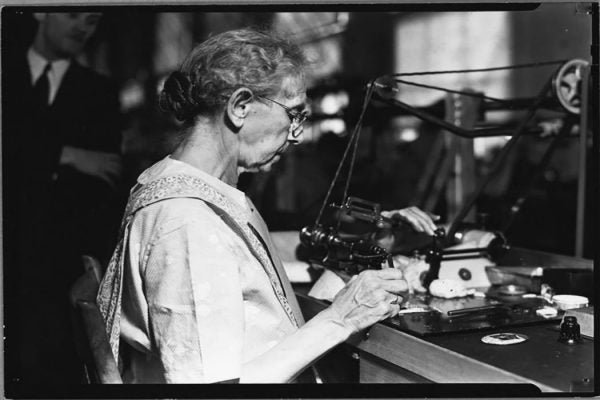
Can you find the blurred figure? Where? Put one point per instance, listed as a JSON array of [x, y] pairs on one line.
[[61, 143]]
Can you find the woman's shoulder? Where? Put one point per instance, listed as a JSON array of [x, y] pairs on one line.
[[178, 211]]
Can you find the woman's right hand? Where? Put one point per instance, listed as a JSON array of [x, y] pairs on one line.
[[369, 297]]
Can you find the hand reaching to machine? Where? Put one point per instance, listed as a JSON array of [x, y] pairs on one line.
[[369, 297], [418, 219]]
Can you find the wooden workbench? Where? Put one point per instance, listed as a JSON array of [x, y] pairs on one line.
[[387, 355]]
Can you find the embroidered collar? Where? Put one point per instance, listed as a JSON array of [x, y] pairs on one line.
[[171, 166]]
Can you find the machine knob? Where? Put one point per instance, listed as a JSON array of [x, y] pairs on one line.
[[465, 274], [569, 331]]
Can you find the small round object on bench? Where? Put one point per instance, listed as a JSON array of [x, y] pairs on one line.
[[505, 338]]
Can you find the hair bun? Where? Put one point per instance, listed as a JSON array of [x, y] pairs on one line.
[[176, 96]]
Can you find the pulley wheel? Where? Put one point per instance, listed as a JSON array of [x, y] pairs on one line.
[[567, 85]]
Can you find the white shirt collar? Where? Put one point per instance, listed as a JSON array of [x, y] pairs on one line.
[[58, 69]]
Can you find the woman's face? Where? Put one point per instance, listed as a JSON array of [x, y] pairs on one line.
[[265, 135]]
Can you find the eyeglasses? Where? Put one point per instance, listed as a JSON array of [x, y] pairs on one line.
[[297, 118]]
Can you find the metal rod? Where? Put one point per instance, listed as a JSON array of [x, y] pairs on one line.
[[465, 251], [476, 310], [581, 182], [466, 133], [438, 107], [520, 103], [538, 171], [430, 118]]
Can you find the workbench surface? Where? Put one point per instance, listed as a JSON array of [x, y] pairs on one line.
[[388, 355]]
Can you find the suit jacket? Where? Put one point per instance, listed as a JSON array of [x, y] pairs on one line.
[[49, 206], [85, 114]]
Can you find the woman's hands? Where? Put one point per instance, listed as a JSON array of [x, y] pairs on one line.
[[369, 297], [420, 220]]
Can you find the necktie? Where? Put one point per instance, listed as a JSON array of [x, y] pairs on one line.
[[41, 89]]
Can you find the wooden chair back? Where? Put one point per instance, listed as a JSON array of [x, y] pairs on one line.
[[90, 334]]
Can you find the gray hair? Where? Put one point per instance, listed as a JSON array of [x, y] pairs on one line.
[[214, 69]]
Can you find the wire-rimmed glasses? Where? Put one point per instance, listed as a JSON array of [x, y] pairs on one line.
[[297, 118]]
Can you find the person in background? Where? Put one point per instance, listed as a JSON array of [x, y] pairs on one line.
[[195, 292], [61, 144]]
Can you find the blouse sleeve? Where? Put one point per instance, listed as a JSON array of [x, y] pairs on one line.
[[194, 296]]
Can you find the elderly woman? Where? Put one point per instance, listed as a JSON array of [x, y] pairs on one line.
[[194, 291]]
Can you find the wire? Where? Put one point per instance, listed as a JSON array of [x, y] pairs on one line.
[[357, 129], [463, 71], [352, 142], [471, 94]]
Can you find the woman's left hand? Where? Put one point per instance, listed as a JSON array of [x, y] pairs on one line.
[[418, 219]]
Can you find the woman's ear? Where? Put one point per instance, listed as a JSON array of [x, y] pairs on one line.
[[238, 106]]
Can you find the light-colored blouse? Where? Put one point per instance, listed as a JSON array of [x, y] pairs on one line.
[[196, 303]]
